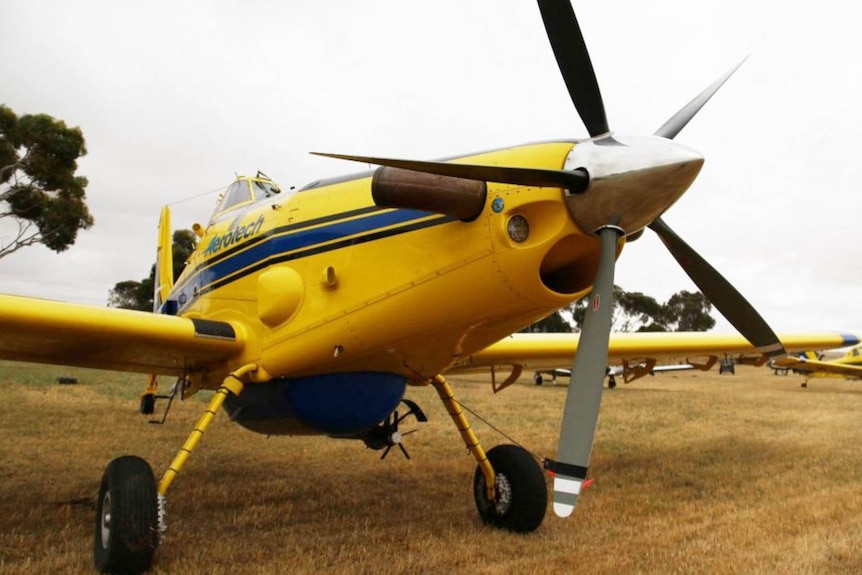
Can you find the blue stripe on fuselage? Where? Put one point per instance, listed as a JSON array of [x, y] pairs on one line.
[[276, 245]]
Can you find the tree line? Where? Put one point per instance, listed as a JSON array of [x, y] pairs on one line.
[[635, 311], [131, 294]]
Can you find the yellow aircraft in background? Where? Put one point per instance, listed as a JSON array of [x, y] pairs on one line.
[[848, 365], [311, 312]]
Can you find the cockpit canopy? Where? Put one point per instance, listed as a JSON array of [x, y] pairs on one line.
[[245, 191]]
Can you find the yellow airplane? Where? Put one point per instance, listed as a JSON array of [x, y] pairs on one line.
[[848, 365], [311, 312]]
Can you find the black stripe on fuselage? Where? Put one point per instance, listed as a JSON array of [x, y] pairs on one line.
[[274, 232], [326, 248]]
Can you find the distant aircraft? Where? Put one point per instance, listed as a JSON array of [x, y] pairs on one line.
[[849, 365], [629, 370], [311, 312]]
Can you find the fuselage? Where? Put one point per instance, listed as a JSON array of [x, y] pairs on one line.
[[351, 288], [343, 303], [324, 281]]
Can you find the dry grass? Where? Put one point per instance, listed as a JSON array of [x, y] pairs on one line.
[[694, 473]]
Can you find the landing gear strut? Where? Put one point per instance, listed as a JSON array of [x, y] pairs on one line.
[[130, 509], [509, 485]]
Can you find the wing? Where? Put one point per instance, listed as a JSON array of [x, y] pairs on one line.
[[549, 350], [815, 366], [46, 331]]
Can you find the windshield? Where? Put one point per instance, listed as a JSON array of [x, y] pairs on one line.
[[237, 193], [244, 191], [264, 189]]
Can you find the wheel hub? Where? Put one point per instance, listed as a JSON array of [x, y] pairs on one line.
[[106, 519], [504, 494]]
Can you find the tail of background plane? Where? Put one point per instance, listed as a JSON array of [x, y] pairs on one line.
[[164, 277]]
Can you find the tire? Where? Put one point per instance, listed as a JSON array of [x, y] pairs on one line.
[[148, 404], [126, 534], [521, 492], [538, 379]]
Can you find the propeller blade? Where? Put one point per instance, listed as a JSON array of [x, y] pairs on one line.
[[679, 120], [575, 65], [581, 414], [721, 293], [575, 181]]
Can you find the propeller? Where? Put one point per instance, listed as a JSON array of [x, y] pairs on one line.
[[732, 305], [575, 64], [575, 181], [580, 415], [678, 121], [619, 186], [385, 435]]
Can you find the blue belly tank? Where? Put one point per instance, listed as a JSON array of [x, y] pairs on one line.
[[338, 404]]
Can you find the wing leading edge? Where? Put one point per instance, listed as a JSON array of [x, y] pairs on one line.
[[45, 331], [549, 350]]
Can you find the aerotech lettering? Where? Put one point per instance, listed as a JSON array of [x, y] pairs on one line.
[[231, 237]]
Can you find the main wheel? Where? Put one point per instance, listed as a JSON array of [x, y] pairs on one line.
[[521, 496], [126, 517]]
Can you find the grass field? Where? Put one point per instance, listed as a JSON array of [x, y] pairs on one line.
[[694, 473]]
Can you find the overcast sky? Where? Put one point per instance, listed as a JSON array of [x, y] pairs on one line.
[[174, 98]]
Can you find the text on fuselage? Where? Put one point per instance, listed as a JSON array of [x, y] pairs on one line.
[[233, 237]]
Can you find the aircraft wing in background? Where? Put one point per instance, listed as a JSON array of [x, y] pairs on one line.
[[549, 351], [631, 370]]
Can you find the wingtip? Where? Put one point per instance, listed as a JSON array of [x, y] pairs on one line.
[[850, 339], [566, 491], [563, 509]]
